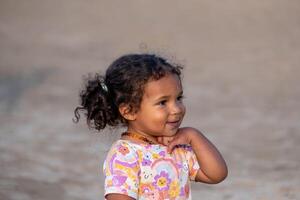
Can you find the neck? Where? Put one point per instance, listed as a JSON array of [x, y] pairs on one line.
[[143, 136]]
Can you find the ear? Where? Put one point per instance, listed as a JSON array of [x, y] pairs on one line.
[[126, 112]]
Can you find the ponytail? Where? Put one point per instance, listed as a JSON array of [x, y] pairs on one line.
[[97, 104]]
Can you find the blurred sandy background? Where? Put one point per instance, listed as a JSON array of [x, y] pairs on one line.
[[241, 81]]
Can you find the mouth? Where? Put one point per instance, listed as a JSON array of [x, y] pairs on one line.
[[174, 123]]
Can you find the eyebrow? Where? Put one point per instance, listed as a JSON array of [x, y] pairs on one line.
[[166, 97]]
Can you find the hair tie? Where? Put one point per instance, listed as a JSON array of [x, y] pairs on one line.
[[104, 87]]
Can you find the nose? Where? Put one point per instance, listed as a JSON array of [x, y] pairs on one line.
[[177, 108]]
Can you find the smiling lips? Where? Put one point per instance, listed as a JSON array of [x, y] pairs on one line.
[[174, 123]]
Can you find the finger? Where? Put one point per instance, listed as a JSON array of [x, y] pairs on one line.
[[164, 141], [172, 144], [168, 140], [159, 140]]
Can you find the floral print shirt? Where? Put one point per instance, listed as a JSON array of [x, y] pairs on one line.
[[148, 171]]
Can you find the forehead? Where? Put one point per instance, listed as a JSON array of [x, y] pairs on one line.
[[166, 86]]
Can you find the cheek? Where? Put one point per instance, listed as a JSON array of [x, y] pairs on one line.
[[159, 116], [183, 109]]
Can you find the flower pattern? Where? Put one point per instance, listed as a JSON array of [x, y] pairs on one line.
[[123, 150], [162, 181], [174, 189], [149, 172], [146, 162]]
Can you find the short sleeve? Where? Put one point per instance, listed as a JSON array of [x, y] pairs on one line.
[[121, 169], [192, 163]]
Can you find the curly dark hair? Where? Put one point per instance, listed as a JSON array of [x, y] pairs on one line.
[[123, 83]]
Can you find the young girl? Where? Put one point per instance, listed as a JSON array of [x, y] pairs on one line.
[[154, 158]]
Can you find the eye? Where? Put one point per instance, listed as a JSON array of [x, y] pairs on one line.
[[162, 103], [180, 98]]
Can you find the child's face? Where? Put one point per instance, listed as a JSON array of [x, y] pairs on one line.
[[161, 110]]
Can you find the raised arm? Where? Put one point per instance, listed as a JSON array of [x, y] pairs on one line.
[[213, 168]]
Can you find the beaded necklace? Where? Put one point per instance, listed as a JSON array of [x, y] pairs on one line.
[[138, 137]]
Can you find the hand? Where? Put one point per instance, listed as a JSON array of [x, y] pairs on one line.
[[183, 136], [213, 167]]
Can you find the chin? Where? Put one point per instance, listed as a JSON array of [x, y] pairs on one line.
[[172, 133]]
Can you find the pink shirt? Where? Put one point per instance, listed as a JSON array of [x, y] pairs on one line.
[[145, 171]]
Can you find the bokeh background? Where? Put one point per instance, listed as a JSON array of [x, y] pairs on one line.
[[241, 80]]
